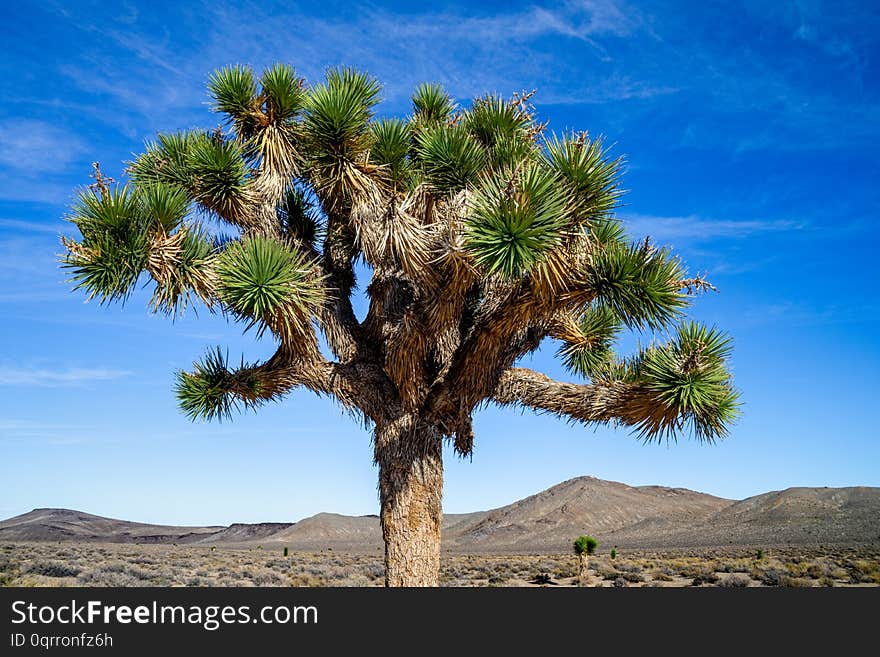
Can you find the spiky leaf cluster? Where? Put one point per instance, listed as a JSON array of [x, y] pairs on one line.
[[213, 390], [515, 219], [639, 282], [337, 135], [126, 231], [592, 350], [211, 170], [503, 128], [114, 248], [432, 104], [585, 545], [591, 176], [268, 283], [451, 158], [391, 144], [689, 376], [299, 217]]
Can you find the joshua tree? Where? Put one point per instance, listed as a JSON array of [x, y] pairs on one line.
[[482, 235], [584, 546]]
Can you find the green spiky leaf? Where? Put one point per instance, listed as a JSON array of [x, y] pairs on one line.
[[451, 158], [591, 174], [234, 92], [337, 112], [166, 205], [212, 171], [299, 217], [268, 283], [503, 128], [220, 175], [515, 219], [689, 375], [391, 142], [599, 328], [114, 249], [283, 92], [639, 282], [432, 104]]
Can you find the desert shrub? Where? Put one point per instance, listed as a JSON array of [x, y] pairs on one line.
[[620, 583], [143, 561], [690, 569], [52, 569], [630, 576], [734, 566], [613, 553], [564, 570], [374, 571], [760, 554], [114, 574], [818, 570], [794, 582], [629, 568], [799, 568], [607, 572], [735, 581], [8, 575], [769, 576], [865, 571], [307, 580], [660, 576], [542, 579], [705, 575], [544, 565], [268, 578], [826, 581]]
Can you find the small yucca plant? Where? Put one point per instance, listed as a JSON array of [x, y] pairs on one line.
[[584, 546]]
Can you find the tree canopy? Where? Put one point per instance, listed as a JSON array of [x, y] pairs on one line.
[[483, 232]]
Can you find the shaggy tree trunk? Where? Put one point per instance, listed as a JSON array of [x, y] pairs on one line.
[[410, 489], [583, 563]]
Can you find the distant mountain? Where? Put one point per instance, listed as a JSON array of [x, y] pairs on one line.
[[794, 516], [551, 519], [616, 514], [67, 525]]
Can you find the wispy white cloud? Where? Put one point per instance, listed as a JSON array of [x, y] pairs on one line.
[[697, 229], [54, 227], [39, 377], [468, 50], [802, 312], [31, 147], [600, 53]]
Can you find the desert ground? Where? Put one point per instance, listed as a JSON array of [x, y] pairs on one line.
[[96, 564]]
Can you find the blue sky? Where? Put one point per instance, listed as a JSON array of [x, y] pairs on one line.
[[751, 133]]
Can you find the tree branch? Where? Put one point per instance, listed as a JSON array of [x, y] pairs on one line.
[[625, 403], [215, 390]]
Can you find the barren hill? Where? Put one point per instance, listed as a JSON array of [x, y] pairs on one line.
[[615, 513], [67, 525], [331, 530], [795, 516], [551, 519]]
